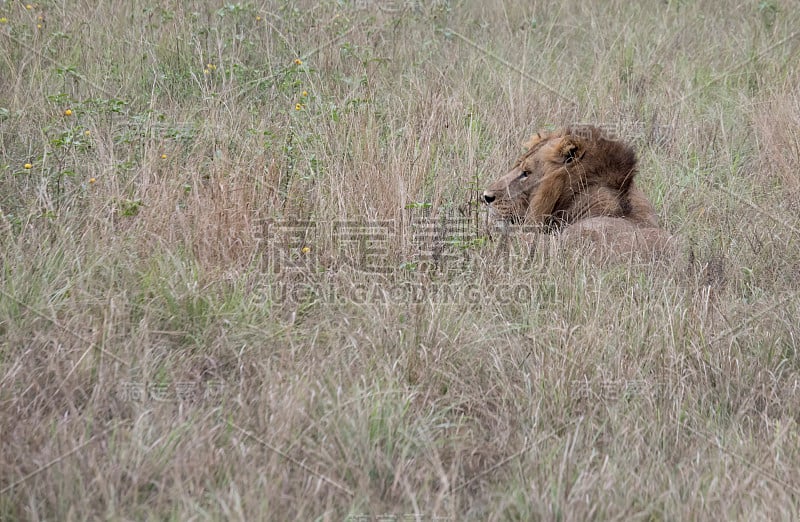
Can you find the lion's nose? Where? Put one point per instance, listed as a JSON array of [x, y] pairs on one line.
[[488, 197]]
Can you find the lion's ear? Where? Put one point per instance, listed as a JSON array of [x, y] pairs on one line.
[[570, 150], [532, 141]]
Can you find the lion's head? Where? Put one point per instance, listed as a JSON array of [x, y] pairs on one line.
[[567, 176]]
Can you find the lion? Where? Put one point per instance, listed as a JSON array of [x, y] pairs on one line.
[[579, 183]]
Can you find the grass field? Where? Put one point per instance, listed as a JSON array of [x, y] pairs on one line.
[[245, 276]]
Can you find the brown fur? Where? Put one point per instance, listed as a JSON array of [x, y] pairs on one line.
[[581, 183]]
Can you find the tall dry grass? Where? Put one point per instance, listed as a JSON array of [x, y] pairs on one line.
[[168, 351]]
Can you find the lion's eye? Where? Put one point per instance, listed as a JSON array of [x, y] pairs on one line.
[[524, 174]]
